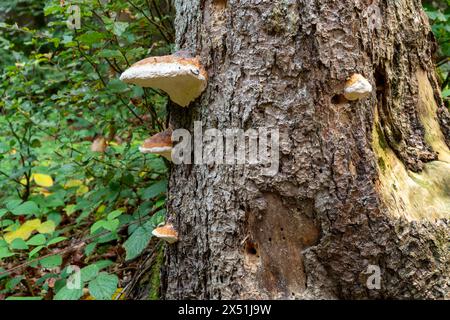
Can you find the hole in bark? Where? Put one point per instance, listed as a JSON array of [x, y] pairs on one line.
[[380, 79], [251, 248], [219, 4], [270, 239], [338, 99]]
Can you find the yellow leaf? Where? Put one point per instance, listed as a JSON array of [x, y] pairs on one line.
[[114, 296], [101, 209], [118, 292], [44, 192], [72, 183], [82, 190], [47, 227], [43, 180], [70, 209], [24, 231], [32, 224]]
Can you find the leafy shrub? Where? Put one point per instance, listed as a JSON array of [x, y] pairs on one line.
[[439, 14], [75, 189]]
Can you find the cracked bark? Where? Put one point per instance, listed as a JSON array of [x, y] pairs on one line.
[[361, 183]]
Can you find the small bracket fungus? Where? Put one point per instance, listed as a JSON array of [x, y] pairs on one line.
[[357, 87], [167, 233], [181, 77], [160, 143]]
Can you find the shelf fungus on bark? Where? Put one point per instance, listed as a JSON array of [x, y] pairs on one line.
[[182, 77], [357, 87], [167, 233], [160, 143]]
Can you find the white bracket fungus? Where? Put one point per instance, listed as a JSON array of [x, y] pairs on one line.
[[182, 78], [357, 87], [160, 143], [167, 233]]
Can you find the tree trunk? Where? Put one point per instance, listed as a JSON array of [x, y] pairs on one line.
[[361, 185]]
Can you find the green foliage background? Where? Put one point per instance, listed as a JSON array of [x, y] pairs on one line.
[[60, 93], [439, 15]]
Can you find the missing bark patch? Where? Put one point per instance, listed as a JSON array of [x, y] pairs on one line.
[[416, 196], [281, 233]]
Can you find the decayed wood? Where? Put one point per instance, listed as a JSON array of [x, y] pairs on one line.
[[344, 195]]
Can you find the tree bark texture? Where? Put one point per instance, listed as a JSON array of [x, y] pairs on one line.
[[360, 183]]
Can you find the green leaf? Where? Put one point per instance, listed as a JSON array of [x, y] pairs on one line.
[[56, 240], [51, 8], [12, 283], [19, 244], [155, 190], [102, 264], [35, 250], [90, 248], [5, 223], [5, 253], [68, 294], [104, 286], [3, 212], [137, 92], [89, 272], [119, 28], [111, 225], [24, 298], [446, 93], [26, 208], [106, 53], [97, 225], [137, 242], [51, 262], [37, 240], [90, 37], [117, 85], [10, 205], [114, 214]]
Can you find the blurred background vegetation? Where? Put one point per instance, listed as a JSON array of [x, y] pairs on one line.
[[71, 175], [74, 188]]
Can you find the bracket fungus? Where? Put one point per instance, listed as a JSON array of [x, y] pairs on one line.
[[167, 233], [181, 77], [160, 143], [357, 87]]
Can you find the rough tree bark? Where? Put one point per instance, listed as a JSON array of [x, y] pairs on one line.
[[360, 183]]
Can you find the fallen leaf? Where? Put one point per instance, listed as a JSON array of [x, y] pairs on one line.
[[99, 145]]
